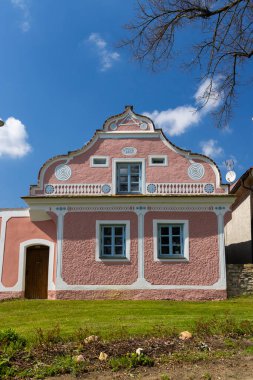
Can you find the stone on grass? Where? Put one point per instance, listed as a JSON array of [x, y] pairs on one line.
[[79, 358], [103, 356], [91, 338], [185, 335], [139, 351]]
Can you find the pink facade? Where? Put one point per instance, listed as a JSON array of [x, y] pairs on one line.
[[128, 216]]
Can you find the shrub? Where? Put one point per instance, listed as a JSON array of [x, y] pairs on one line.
[[9, 337], [48, 337], [129, 361]]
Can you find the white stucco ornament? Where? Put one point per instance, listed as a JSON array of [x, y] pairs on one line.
[[196, 171], [129, 151], [144, 126], [62, 172]]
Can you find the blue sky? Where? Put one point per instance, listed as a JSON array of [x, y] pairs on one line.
[[61, 76]]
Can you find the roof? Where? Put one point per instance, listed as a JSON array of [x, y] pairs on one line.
[[241, 180]]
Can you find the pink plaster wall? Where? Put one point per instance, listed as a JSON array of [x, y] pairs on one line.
[[176, 171], [79, 247], [203, 265], [17, 231]]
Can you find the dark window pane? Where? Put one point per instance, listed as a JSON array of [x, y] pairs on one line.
[[176, 230], [118, 230], [176, 240], [165, 240], [158, 160], [107, 231], [118, 250], [99, 161], [107, 251], [123, 187], [118, 241], [165, 250], [164, 230], [134, 178], [107, 240], [176, 250], [134, 187], [134, 169]]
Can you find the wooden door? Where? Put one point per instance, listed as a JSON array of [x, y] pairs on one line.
[[36, 279]]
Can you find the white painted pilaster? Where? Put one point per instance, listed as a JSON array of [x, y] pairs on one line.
[[141, 281], [5, 218], [60, 212], [220, 212]]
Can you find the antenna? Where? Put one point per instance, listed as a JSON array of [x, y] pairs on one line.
[[229, 164]]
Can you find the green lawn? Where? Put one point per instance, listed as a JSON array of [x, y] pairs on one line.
[[111, 318]]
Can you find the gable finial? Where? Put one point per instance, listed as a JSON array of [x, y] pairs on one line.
[[129, 107]]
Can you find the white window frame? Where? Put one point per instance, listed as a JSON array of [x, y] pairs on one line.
[[185, 238], [128, 160], [100, 223], [150, 157], [93, 165]]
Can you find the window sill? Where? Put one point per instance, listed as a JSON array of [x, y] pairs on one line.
[[114, 259], [172, 259]]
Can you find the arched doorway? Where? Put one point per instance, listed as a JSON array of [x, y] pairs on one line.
[[36, 274]]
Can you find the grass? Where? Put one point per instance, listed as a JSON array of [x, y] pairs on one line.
[[111, 319]]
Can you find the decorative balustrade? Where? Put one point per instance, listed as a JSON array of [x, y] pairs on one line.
[[77, 189], [180, 188]]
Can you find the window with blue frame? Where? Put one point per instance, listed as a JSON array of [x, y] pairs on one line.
[[113, 241], [129, 178], [170, 241]]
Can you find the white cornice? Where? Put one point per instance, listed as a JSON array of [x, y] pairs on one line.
[[196, 200]]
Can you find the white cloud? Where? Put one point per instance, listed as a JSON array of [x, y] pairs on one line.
[[22, 5], [211, 149], [13, 139], [176, 121], [207, 95], [107, 57]]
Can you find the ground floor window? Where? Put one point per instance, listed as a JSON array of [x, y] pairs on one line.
[[170, 240], [113, 241]]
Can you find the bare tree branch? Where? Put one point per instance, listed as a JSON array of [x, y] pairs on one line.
[[226, 41]]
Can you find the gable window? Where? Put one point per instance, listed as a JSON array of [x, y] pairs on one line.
[[99, 161], [129, 177], [171, 240], [158, 160]]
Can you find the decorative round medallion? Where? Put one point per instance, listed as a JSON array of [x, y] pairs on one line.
[[62, 172], [129, 151], [209, 188], [106, 189], [113, 126], [196, 171], [151, 188], [49, 189], [143, 126]]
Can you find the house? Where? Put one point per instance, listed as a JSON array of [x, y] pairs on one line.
[[128, 216], [239, 227]]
